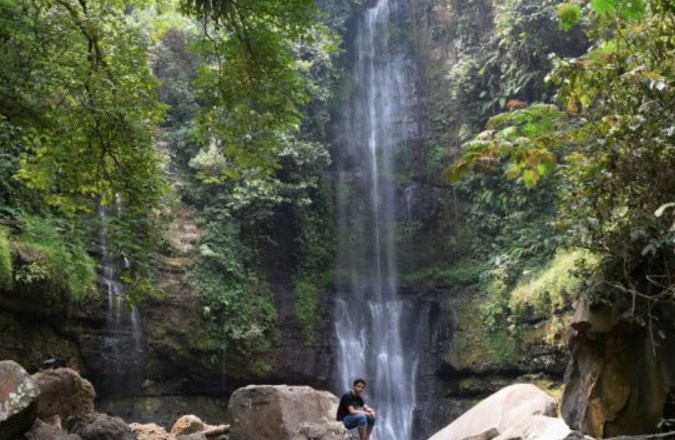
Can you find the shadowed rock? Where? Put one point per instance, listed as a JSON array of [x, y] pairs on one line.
[[97, 426], [65, 393], [48, 431]]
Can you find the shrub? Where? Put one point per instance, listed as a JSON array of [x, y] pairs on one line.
[[57, 259]]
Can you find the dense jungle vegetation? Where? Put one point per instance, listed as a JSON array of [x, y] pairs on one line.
[[551, 124]]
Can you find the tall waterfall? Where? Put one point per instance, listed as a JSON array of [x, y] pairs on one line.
[[369, 316]]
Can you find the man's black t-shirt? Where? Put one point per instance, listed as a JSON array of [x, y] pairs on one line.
[[348, 399]]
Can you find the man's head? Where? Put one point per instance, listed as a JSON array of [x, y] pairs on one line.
[[358, 386]]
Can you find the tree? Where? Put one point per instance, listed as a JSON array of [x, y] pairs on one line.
[[79, 108], [251, 86]]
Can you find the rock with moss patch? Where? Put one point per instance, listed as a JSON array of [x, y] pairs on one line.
[[18, 400]]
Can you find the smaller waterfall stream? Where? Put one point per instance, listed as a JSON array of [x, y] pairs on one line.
[[123, 340], [370, 317]]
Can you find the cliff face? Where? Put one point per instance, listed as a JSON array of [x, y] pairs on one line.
[[167, 368]]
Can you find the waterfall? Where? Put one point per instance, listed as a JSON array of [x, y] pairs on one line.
[[370, 318], [123, 338]]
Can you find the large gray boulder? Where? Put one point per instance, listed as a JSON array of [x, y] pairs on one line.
[[536, 428], [276, 412], [503, 409], [18, 400], [65, 393]]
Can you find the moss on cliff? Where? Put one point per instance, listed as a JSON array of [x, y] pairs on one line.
[[475, 347]]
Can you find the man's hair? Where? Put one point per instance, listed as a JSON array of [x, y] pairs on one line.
[[358, 381]]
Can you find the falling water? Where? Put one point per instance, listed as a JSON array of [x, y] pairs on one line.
[[369, 314], [123, 341]]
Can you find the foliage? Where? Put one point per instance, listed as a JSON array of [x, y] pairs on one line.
[[627, 9], [53, 263], [525, 35], [618, 173], [569, 14], [238, 306], [615, 146], [495, 57], [274, 174], [312, 257], [176, 65], [525, 144], [461, 274], [547, 291], [6, 275], [250, 85], [78, 110], [95, 105]]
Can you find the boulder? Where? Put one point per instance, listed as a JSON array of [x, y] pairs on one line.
[[47, 431], [507, 407], [150, 431], [620, 378], [65, 393], [322, 431], [188, 424], [216, 431], [18, 400], [276, 412], [96, 426], [536, 428], [193, 436]]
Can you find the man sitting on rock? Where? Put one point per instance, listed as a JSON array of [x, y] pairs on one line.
[[353, 411]]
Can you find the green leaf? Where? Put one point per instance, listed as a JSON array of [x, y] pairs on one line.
[[604, 7]]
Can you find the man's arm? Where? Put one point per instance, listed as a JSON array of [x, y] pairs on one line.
[[369, 411], [352, 410]]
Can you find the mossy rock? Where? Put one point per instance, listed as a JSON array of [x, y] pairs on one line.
[[476, 348]]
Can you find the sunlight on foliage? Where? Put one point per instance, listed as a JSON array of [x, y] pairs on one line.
[[549, 290], [523, 138]]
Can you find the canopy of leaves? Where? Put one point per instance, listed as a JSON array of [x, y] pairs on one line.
[[251, 86], [78, 109]]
